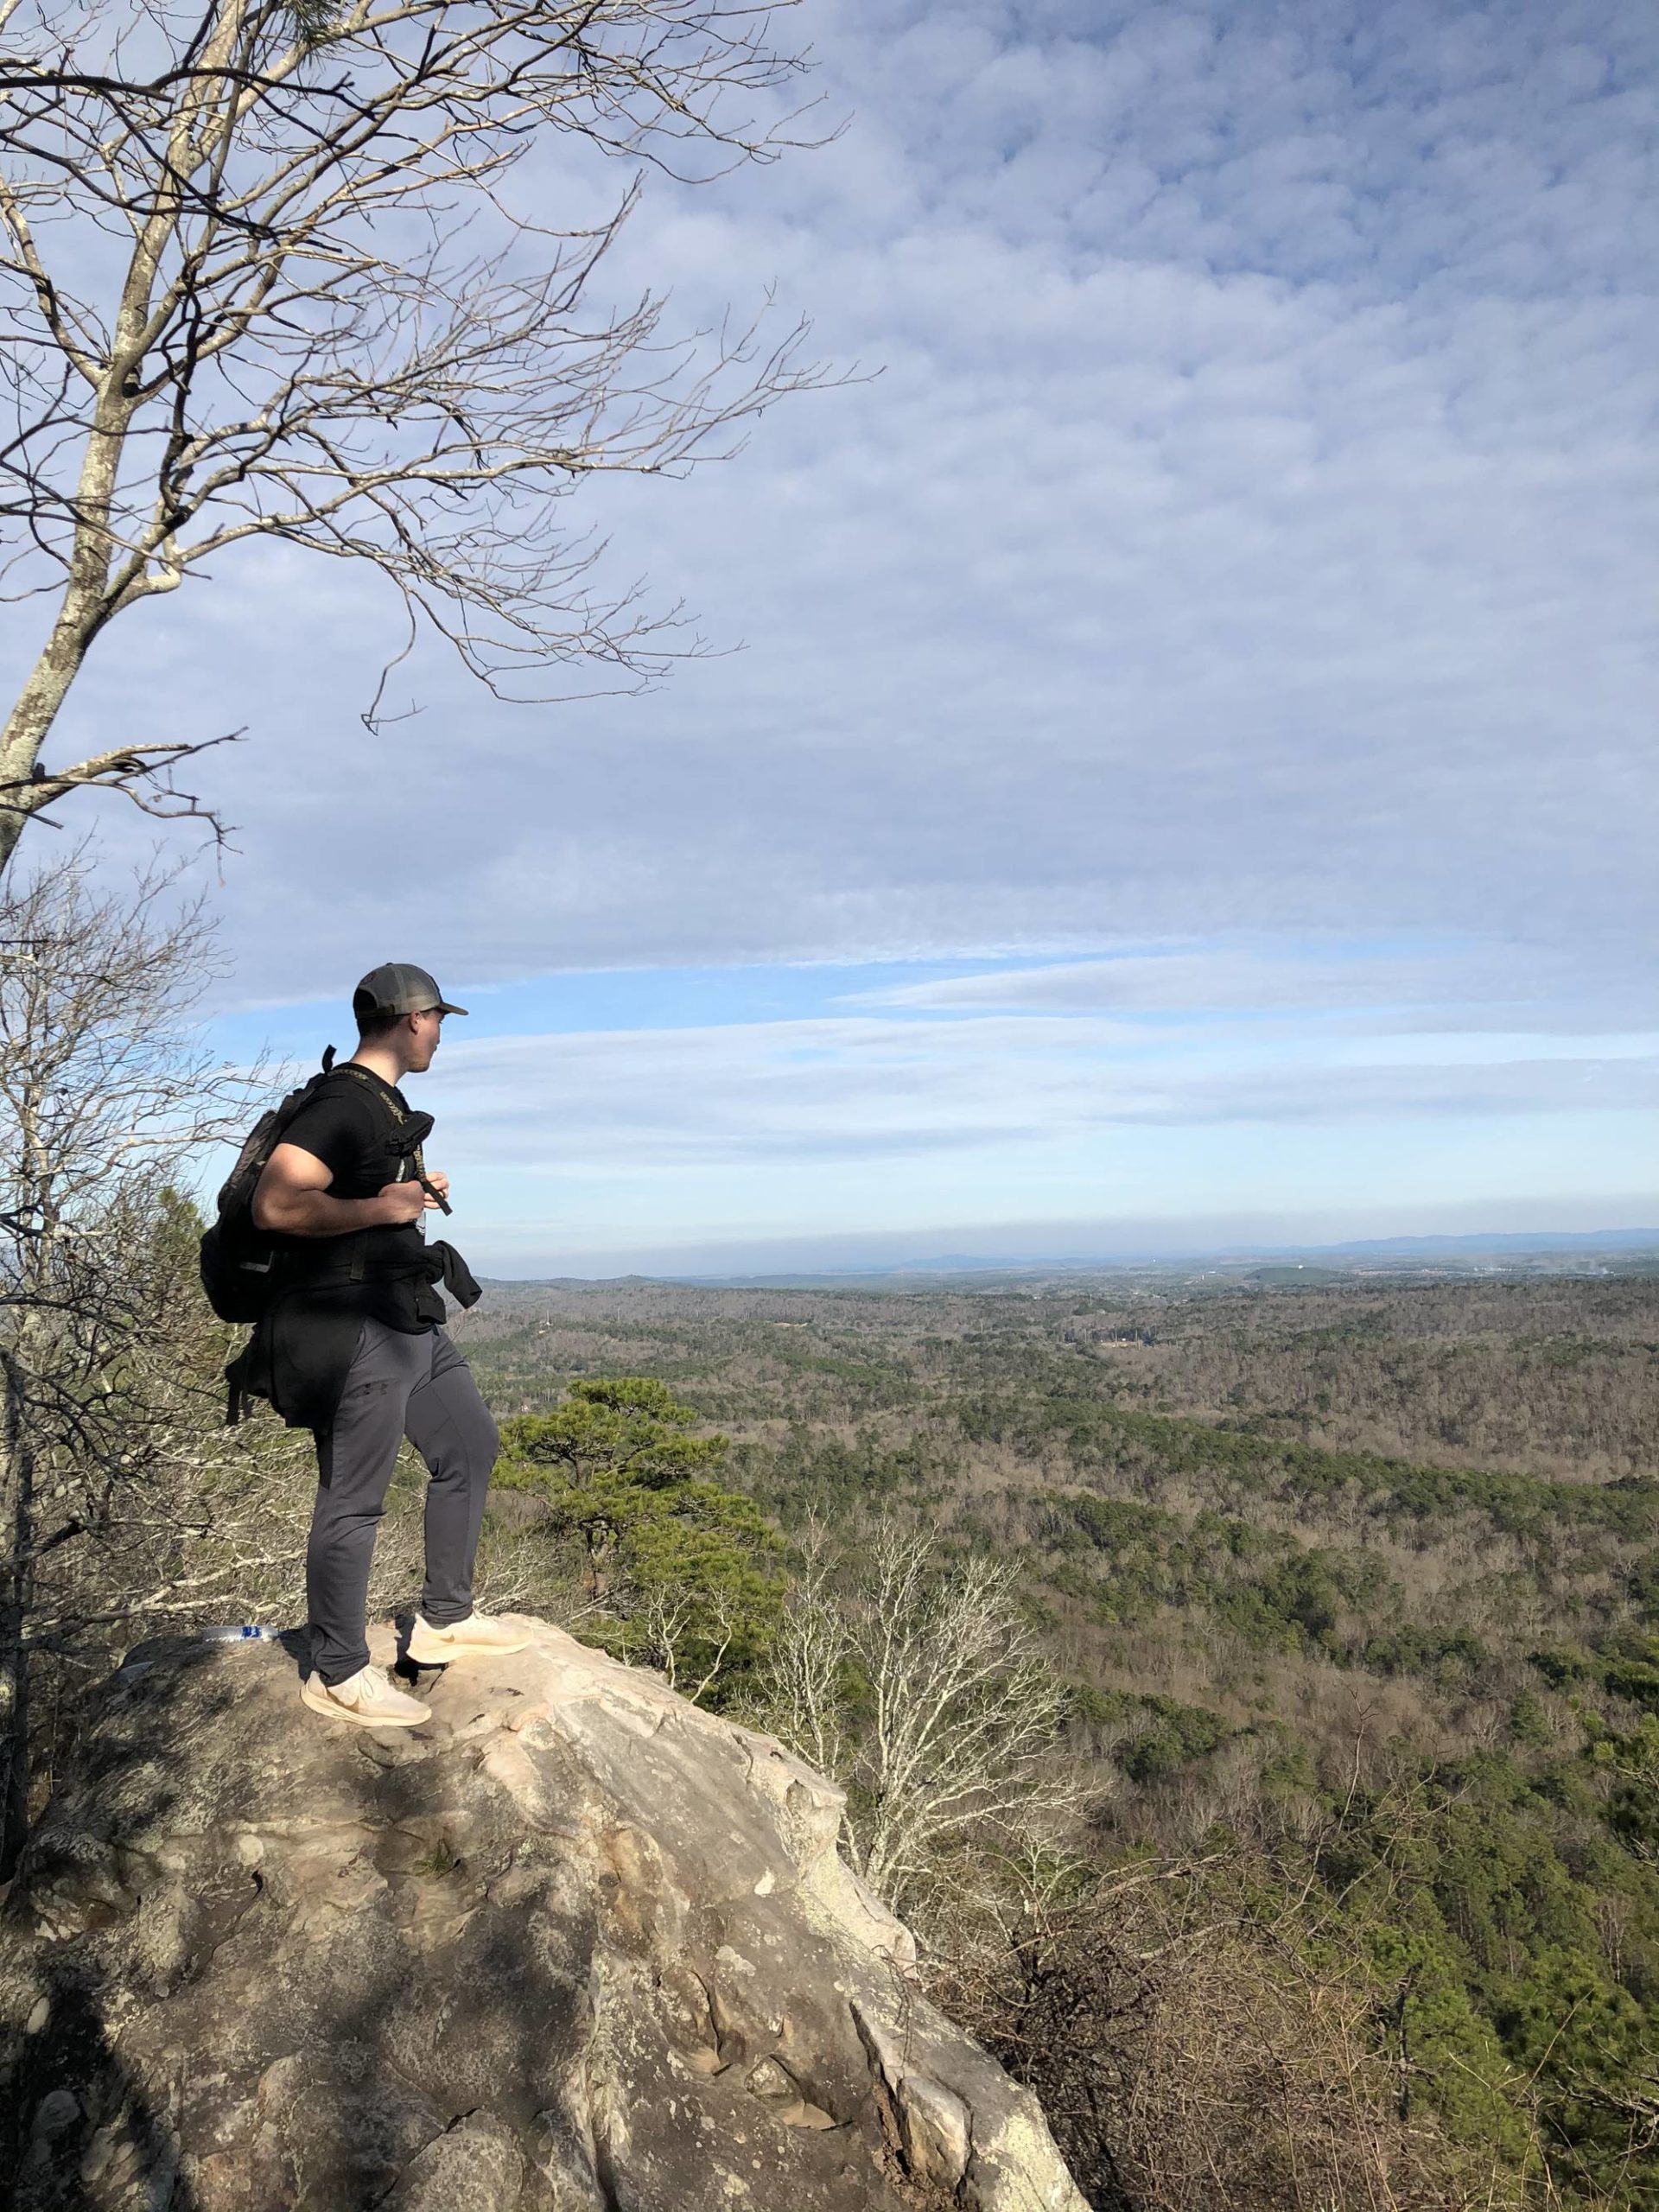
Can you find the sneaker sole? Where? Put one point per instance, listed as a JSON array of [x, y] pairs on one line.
[[420, 1655], [335, 1711]]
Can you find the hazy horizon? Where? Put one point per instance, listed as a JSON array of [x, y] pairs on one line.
[[1064, 1244]]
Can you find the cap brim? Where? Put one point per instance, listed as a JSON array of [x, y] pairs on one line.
[[443, 1007]]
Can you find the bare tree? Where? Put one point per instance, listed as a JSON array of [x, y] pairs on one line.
[[665, 1627], [124, 1501], [924, 1690], [807, 1674], [276, 269]]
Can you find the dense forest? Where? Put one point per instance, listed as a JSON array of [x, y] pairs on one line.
[[1352, 1593]]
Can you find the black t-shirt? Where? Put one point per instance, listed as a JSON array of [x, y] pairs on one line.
[[352, 1132], [353, 1128]]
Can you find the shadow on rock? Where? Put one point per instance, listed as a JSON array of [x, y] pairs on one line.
[[573, 1946], [80, 2126]]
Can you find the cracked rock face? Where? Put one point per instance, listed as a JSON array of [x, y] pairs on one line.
[[574, 1946]]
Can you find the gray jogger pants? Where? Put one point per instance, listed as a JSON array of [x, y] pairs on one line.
[[398, 1386]]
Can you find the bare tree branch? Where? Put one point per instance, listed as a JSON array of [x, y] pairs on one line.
[[285, 271], [143, 773]]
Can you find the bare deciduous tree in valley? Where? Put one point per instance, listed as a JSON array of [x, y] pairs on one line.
[[285, 270], [950, 1729]]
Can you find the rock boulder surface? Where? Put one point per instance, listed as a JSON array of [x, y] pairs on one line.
[[573, 1946]]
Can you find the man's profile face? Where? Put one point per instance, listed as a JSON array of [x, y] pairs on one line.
[[425, 1033]]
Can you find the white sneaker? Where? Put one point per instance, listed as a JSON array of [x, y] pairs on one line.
[[477, 1637], [366, 1697]]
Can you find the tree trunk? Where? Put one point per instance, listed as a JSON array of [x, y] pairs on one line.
[[17, 1490], [29, 723], [87, 603]]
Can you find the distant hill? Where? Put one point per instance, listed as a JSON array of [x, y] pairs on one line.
[[1514, 1247], [1539, 1240]]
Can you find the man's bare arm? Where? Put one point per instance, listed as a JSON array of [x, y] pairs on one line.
[[292, 1199]]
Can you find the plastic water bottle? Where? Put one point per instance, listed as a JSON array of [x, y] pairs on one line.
[[243, 1635]]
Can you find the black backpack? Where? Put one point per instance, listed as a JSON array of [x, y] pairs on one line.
[[240, 1269], [239, 1260]]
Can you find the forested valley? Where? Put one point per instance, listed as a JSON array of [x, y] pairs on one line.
[[1337, 1878]]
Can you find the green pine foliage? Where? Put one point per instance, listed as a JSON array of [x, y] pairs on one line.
[[313, 21], [1525, 1943], [674, 1566]]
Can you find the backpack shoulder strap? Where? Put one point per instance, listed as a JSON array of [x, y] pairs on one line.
[[294, 1105], [413, 1129], [348, 1072], [273, 1126]]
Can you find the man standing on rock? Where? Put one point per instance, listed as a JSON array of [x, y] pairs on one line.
[[353, 1348]]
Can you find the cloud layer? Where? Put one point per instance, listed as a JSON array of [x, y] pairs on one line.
[[1251, 523], [1237, 574]]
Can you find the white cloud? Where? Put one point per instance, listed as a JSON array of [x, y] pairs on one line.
[[635, 1142], [812, 1090], [1467, 987]]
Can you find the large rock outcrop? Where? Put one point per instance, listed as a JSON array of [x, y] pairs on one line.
[[574, 1946]]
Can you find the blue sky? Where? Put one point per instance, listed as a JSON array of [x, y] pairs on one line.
[[1190, 768]]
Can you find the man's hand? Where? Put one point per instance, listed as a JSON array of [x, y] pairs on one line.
[[400, 1202], [438, 1181]]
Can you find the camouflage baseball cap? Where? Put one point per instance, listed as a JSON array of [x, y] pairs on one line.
[[396, 987]]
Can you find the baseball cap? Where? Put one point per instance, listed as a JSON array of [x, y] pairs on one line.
[[396, 987]]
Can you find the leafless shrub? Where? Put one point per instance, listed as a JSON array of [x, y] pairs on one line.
[[661, 1626]]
